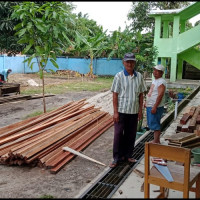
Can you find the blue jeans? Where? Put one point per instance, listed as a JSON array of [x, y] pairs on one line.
[[153, 120]]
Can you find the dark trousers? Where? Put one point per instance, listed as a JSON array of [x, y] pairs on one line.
[[124, 136], [2, 77]]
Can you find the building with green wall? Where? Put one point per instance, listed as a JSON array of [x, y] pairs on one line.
[[174, 42]]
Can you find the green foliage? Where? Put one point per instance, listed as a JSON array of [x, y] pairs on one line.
[[43, 31], [170, 105], [145, 52], [92, 46], [120, 43], [8, 42], [139, 14]]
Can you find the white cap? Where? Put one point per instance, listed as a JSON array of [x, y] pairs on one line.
[[160, 67]]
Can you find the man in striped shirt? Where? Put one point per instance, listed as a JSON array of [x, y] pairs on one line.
[[128, 87]]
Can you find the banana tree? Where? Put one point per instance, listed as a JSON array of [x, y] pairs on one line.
[[93, 46], [43, 32], [120, 43]]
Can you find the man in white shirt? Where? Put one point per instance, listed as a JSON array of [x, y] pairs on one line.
[[155, 102]]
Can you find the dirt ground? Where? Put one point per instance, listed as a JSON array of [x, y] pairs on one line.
[[35, 182]]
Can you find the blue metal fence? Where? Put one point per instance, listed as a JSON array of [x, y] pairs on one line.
[[101, 66]]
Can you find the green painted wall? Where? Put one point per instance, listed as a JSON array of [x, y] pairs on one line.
[[176, 43]]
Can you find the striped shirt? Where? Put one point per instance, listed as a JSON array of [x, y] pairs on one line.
[[128, 88]]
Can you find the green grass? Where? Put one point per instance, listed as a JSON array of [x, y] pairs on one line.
[[36, 113], [97, 84], [46, 196]]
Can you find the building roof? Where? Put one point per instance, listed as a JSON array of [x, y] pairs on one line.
[[185, 13]]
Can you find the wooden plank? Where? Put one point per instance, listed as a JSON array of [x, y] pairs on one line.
[[179, 127], [192, 111], [72, 138], [190, 141], [198, 119], [37, 128], [55, 148], [185, 118], [52, 162], [139, 173], [66, 156], [185, 127], [60, 165], [58, 136], [179, 136], [82, 155], [53, 133]]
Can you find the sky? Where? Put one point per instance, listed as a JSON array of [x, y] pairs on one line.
[[111, 14]]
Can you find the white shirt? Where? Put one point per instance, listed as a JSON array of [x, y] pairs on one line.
[[153, 93]]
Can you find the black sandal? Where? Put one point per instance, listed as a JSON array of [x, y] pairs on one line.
[[113, 164]]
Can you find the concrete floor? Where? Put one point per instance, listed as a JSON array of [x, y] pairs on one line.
[[131, 187]]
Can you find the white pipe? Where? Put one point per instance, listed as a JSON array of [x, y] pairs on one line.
[[175, 111]]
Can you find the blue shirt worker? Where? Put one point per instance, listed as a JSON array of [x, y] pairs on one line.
[[128, 87], [4, 74], [155, 102]]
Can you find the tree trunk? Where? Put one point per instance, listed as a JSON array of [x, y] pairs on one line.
[[44, 103], [91, 67]]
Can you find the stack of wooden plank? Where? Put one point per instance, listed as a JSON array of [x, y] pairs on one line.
[[190, 121], [183, 139], [39, 140], [188, 130]]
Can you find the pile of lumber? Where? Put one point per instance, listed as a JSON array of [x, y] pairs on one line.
[[188, 130], [183, 139], [190, 121], [39, 140]]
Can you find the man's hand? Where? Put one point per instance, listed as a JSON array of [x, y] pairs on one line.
[[153, 110], [116, 117]]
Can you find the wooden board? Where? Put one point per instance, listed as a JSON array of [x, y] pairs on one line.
[[179, 136]]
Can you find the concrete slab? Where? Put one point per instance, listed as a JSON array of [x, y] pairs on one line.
[[131, 188]]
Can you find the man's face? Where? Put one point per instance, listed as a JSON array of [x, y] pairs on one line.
[[157, 73], [129, 65]]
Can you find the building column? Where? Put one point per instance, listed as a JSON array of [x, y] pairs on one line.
[[180, 69], [182, 26], [166, 29], [163, 62], [165, 35], [173, 68], [157, 32], [180, 61]]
